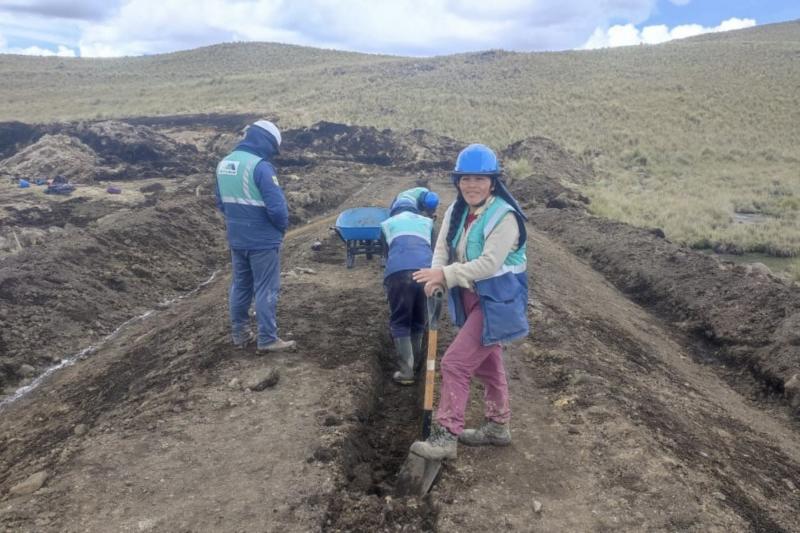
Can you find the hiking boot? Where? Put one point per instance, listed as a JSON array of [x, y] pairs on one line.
[[242, 340], [440, 445], [278, 345], [490, 433]]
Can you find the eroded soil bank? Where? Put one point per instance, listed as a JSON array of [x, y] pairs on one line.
[[749, 318]]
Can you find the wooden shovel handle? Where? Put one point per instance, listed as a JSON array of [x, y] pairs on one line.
[[430, 370], [434, 309]]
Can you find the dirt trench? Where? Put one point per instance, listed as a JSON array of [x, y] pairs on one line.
[[128, 384], [627, 414], [153, 383], [373, 455]]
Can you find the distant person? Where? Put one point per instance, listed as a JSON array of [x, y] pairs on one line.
[[480, 260], [408, 241], [256, 218]]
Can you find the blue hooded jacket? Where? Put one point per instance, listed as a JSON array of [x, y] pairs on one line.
[[249, 226], [407, 236]]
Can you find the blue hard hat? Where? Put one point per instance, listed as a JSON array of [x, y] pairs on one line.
[[476, 159], [430, 201], [403, 204]]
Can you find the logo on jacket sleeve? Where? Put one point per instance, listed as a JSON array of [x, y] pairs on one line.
[[275, 181]]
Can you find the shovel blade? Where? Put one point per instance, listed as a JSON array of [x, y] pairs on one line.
[[417, 475]]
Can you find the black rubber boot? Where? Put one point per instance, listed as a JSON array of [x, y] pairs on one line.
[[419, 352], [405, 361]]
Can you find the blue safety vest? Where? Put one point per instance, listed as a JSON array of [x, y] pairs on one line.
[[235, 179], [503, 295], [408, 236], [241, 188]]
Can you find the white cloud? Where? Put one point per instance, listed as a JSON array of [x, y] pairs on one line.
[[62, 51], [408, 27], [106, 28], [680, 2], [628, 34]]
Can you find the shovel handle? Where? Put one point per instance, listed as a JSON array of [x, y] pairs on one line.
[[434, 305], [434, 309], [430, 377]]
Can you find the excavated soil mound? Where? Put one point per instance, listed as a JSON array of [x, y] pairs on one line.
[[16, 135], [88, 151], [750, 316], [429, 151], [546, 158], [212, 134], [554, 174], [366, 145], [135, 151], [312, 190], [228, 122], [53, 155], [369, 145]]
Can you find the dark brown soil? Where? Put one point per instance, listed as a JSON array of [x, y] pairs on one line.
[[748, 318], [653, 394]]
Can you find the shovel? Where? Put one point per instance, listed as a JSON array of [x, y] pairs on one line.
[[417, 473]]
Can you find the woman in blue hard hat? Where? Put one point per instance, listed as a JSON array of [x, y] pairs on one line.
[[480, 259]]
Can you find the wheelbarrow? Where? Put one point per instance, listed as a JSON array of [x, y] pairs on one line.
[[360, 230]]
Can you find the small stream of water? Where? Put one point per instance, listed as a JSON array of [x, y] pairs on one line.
[[88, 351], [776, 264]]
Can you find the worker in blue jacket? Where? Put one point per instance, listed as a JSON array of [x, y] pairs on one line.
[[408, 237], [425, 200], [256, 218]]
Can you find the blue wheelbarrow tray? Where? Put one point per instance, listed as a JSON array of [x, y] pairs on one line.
[[360, 229]]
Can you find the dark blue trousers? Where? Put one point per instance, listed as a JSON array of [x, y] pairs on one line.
[[256, 275], [406, 304]]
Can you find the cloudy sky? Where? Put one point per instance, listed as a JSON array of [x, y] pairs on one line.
[[104, 28]]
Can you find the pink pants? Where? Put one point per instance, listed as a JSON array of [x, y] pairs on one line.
[[464, 358]]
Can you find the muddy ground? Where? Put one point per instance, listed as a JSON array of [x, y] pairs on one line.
[[654, 393]]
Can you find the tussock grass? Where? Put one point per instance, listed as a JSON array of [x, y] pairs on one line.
[[517, 168], [681, 134], [700, 205]]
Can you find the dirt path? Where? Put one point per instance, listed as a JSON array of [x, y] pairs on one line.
[[156, 430], [623, 418], [616, 427]]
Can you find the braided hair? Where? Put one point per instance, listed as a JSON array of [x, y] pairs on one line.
[[455, 217]]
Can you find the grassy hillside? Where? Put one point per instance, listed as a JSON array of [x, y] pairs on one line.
[[683, 134]]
